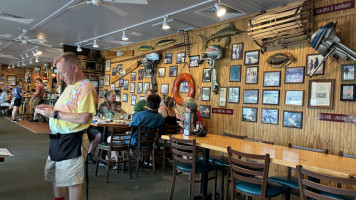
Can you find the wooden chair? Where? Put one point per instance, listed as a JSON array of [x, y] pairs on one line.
[[119, 141], [185, 163], [311, 189], [170, 129]]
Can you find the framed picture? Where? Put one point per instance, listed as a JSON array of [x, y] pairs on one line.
[[101, 83], [112, 87], [132, 87], [251, 75], [133, 76], [235, 73], [173, 71], [272, 79], [139, 88], [140, 74], [294, 97], [121, 83], [161, 72], [113, 71], [125, 97], [249, 114], [222, 96], [119, 68], [147, 73], [292, 119], [270, 97], [141, 98], [146, 87], [206, 75], [205, 111], [101, 94], [347, 92], [348, 72], [321, 93], [168, 58], [234, 94], [118, 94], [133, 99], [184, 87], [250, 96], [237, 51], [107, 65], [126, 84], [269, 116], [294, 75], [194, 61], [180, 57], [205, 94], [252, 57], [313, 61], [164, 89], [107, 79]]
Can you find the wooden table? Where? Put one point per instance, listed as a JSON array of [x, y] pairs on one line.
[[105, 125]]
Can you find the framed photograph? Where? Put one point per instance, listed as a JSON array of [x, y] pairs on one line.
[[294, 97], [234, 94], [146, 87], [184, 87], [272, 79], [161, 72], [101, 94], [101, 83], [249, 114], [252, 57], [205, 94], [222, 96], [141, 98], [107, 65], [251, 75], [140, 74], [235, 73], [126, 84], [173, 71], [133, 99], [206, 75], [269, 116], [139, 88], [133, 76], [113, 71], [118, 94], [348, 72], [347, 92], [292, 119], [132, 87], [294, 75], [112, 87], [119, 68], [194, 61], [270, 97], [313, 61], [250, 96], [147, 73], [164, 89], [237, 51], [125, 97], [321, 93], [168, 58], [180, 57], [121, 82], [205, 111], [107, 79]]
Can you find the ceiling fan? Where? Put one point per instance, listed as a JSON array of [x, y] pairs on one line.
[[107, 4]]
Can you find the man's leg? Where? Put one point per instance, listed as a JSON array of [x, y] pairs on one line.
[[14, 112], [59, 192], [75, 192], [94, 143]]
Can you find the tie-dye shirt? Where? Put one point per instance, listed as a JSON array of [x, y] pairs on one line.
[[78, 98]]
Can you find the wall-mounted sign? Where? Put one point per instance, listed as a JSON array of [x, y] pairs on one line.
[[223, 111], [334, 7], [337, 117]]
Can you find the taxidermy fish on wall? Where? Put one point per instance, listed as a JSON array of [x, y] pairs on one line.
[[165, 42], [145, 48], [280, 60]]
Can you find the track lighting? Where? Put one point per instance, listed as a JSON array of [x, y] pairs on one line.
[[220, 10], [95, 45], [27, 55], [23, 64], [13, 65], [31, 62], [78, 48], [165, 25], [124, 37], [22, 57], [38, 52], [18, 64], [36, 60], [33, 53]]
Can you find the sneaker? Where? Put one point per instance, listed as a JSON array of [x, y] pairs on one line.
[[149, 164], [33, 120], [90, 159], [14, 120]]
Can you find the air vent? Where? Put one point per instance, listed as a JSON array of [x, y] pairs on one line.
[[230, 13], [15, 18]]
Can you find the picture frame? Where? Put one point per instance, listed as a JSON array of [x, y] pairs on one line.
[[101, 83], [113, 71], [250, 97], [107, 65], [347, 92], [146, 86], [194, 61], [173, 71], [222, 96], [126, 84], [112, 87], [205, 111], [251, 75], [237, 51], [321, 93], [294, 75], [272, 79], [164, 89], [139, 88], [249, 114], [133, 99], [118, 94], [205, 93], [348, 72], [184, 88], [270, 97], [269, 116], [140, 74], [119, 68], [147, 72], [141, 98], [107, 79], [132, 87], [161, 72], [252, 57], [235, 73], [294, 97], [121, 82], [206, 75], [292, 119], [168, 58], [234, 95], [312, 62], [125, 97], [133, 76], [180, 58], [101, 94]]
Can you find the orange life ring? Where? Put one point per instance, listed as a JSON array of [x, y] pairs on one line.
[[183, 77]]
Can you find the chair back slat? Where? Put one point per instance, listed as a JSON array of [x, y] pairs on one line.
[[259, 141], [234, 136], [146, 136], [314, 195], [119, 136], [248, 163], [245, 171], [182, 148], [183, 160], [256, 181], [172, 129], [182, 153]]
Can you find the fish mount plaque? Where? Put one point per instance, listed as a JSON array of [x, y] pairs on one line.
[[280, 60]]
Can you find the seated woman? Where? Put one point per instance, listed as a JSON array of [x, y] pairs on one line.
[[190, 106], [166, 110]]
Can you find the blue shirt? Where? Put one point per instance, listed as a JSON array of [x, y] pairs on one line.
[[17, 92]]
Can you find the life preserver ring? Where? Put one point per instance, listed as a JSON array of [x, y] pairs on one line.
[[183, 77]]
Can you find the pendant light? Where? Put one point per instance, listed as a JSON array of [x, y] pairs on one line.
[[33, 53], [165, 25], [124, 37], [78, 48], [36, 60], [220, 10], [22, 57], [95, 44], [30, 61]]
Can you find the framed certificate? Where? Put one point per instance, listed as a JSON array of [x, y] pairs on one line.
[[321, 93]]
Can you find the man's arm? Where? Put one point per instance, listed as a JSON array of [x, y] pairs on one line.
[[77, 118], [35, 94]]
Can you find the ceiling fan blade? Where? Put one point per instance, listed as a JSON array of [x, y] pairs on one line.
[[37, 40], [128, 1], [79, 5], [115, 9]]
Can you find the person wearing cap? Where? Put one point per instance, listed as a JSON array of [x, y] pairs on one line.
[[141, 105], [190, 106]]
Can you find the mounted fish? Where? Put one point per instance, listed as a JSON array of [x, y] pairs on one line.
[[145, 48], [165, 42], [280, 60], [228, 31]]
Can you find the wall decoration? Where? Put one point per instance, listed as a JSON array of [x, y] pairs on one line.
[[347, 92], [272, 79], [147, 72], [234, 95], [164, 89], [139, 88], [294, 97], [161, 72], [269, 116], [223, 111], [133, 76], [165, 42], [205, 111], [132, 87], [237, 51], [101, 94], [280, 60], [133, 99], [222, 96], [180, 57], [146, 87], [118, 94], [141, 98], [119, 68], [125, 97], [126, 84], [107, 65], [348, 72], [312, 62], [140, 74], [145, 48], [121, 83], [270, 97], [205, 94], [206, 75], [101, 83], [337, 118], [251, 75], [292, 119], [112, 87], [294, 75], [235, 73], [107, 79], [168, 58], [113, 71], [321, 93], [173, 71], [194, 61], [249, 114], [11, 79], [184, 88], [250, 96], [252, 57]]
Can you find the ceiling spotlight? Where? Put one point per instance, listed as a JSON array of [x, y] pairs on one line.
[[18, 64], [27, 55], [23, 64], [33, 53], [36, 60], [13, 65], [165, 25], [31, 62], [78, 48], [124, 36], [38, 52], [22, 57], [220, 10], [95, 45]]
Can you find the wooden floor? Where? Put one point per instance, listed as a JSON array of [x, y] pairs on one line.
[[35, 127]]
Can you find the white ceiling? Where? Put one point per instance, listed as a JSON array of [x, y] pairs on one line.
[[60, 25]]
